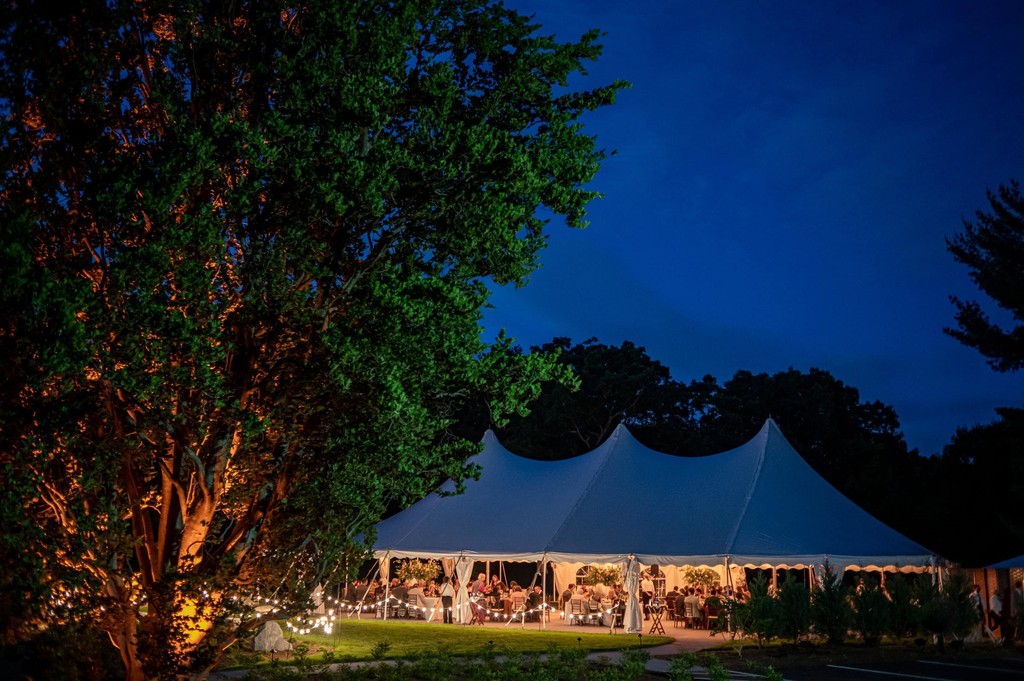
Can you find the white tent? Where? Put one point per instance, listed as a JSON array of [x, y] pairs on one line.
[[758, 504], [1009, 563]]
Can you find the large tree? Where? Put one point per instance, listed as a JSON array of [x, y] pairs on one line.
[[992, 247], [243, 249], [983, 466], [980, 479], [616, 384]]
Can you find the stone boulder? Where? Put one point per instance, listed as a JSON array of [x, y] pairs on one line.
[[271, 638]]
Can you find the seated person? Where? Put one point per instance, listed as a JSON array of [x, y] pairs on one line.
[[594, 604], [692, 602], [399, 590], [536, 597], [578, 604], [535, 601], [681, 604], [356, 592], [479, 586], [416, 590], [515, 591]]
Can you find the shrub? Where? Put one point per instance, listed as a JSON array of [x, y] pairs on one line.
[[634, 663], [380, 649], [794, 611], [75, 652], [871, 610], [679, 667], [830, 611], [946, 611], [760, 615], [904, 612]]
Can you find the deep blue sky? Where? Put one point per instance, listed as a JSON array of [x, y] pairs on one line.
[[786, 176]]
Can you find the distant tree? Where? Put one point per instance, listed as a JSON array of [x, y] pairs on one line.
[[992, 247], [855, 445], [980, 475], [243, 251], [983, 467], [615, 385], [820, 415]]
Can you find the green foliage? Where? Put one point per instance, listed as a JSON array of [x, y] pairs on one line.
[[760, 615], [615, 385], [794, 608], [73, 652], [245, 251], [680, 667], [634, 663], [871, 610], [699, 577], [830, 608], [606, 575], [991, 248], [983, 465], [380, 650], [904, 613], [946, 610], [715, 669], [417, 570]]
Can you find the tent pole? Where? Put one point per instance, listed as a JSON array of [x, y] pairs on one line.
[[544, 591], [362, 601], [387, 587]]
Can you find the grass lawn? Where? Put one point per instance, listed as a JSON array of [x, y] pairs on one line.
[[355, 640]]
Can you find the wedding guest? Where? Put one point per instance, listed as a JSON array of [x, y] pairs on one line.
[[447, 592]]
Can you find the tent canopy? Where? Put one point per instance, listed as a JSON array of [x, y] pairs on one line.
[[756, 504], [1015, 562]]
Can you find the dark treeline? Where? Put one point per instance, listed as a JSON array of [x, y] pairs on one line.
[[962, 504]]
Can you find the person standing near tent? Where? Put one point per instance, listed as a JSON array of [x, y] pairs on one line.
[[995, 615], [646, 593], [1017, 610], [976, 600], [447, 594], [567, 595]]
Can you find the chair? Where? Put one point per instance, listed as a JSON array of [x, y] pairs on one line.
[[577, 615], [396, 607], [479, 613], [670, 609], [415, 608], [711, 610], [692, 615], [519, 606]]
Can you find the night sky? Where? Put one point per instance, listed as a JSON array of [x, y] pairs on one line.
[[787, 174]]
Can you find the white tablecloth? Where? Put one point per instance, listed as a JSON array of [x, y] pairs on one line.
[[433, 606]]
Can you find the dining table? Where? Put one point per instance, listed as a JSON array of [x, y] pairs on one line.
[[433, 606]]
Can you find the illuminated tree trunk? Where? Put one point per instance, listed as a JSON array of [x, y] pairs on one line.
[[245, 249]]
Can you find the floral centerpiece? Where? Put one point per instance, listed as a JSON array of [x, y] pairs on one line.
[[699, 576], [417, 570], [605, 575]]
